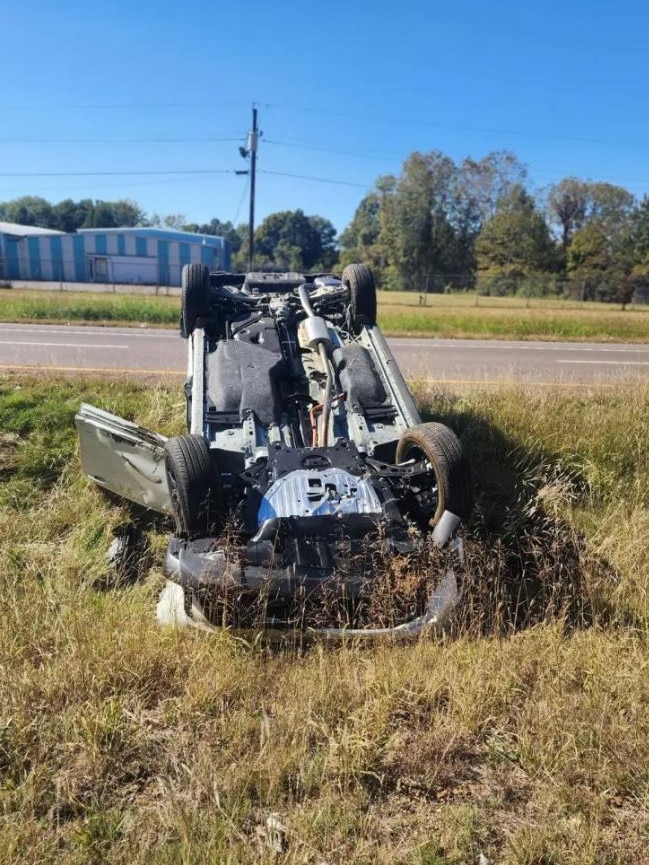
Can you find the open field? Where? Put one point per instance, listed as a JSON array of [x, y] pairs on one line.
[[522, 734], [509, 318], [400, 313]]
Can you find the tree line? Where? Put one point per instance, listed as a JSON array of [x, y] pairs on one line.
[[443, 225], [439, 225]]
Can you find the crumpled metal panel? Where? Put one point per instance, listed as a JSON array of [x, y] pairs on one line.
[[123, 457], [305, 493]]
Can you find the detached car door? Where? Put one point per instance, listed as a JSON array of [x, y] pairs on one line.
[[123, 457]]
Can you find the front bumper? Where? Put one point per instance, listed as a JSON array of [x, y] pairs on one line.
[[196, 567]]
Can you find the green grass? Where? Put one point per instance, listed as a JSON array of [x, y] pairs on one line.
[[522, 734], [58, 307], [400, 313], [468, 316]]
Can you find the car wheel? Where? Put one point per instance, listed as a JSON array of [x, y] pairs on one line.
[[193, 485], [195, 291], [441, 448], [359, 279]]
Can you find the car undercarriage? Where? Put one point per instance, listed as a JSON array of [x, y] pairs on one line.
[[305, 468]]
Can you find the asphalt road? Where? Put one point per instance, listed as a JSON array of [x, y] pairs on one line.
[[162, 353]]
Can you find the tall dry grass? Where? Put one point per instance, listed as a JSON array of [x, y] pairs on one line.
[[522, 734]]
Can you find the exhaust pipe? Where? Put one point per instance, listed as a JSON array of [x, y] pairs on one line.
[[318, 335]]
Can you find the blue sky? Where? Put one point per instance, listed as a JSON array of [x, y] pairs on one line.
[[345, 91]]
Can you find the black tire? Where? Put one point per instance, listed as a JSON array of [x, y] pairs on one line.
[[193, 485], [441, 447], [195, 294], [362, 303]]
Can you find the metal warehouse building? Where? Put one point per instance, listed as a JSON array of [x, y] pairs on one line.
[[145, 256]]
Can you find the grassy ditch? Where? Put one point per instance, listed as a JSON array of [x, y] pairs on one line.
[[400, 314], [522, 734]]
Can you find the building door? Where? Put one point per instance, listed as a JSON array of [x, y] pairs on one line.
[[98, 268]]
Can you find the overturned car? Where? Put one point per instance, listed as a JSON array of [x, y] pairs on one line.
[[306, 466]]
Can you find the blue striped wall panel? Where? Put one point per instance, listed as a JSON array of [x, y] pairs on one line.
[[163, 262], [56, 257], [79, 247], [12, 258], [184, 255], [34, 253]]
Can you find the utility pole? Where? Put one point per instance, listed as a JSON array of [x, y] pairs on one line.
[[250, 150], [253, 140]]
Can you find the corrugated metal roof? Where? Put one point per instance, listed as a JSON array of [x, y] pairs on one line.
[[160, 233], [25, 230]]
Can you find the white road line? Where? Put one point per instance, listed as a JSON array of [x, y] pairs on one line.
[[481, 346], [44, 328], [93, 369], [61, 344], [610, 362]]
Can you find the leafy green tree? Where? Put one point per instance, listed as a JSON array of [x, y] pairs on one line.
[[216, 228], [241, 257], [365, 227], [516, 242], [65, 216], [103, 215], [610, 206], [361, 240], [573, 203], [485, 182], [128, 213], [638, 279], [29, 210], [69, 215], [86, 218], [568, 203], [600, 258], [326, 233], [600, 264], [589, 250], [174, 221], [416, 229], [639, 231], [290, 239]]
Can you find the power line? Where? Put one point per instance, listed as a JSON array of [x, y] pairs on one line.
[[138, 173], [317, 179], [190, 171], [407, 121], [128, 106], [163, 182], [143, 140], [241, 200], [342, 152], [638, 188], [299, 145], [530, 169], [366, 118]]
